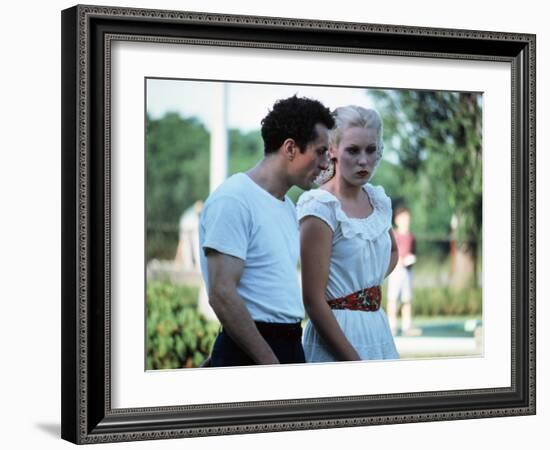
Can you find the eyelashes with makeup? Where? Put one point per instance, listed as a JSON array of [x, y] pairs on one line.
[[355, 150]]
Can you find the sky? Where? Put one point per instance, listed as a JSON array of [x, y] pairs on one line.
[[247, 104]]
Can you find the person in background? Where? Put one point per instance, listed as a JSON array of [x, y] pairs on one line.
[[400, 281], [347, 247], [249, 238]]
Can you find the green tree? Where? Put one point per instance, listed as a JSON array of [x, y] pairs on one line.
[[245, 150], [177, 171], [177, 174], [436, 138]]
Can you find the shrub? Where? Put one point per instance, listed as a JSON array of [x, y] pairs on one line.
[[443, 301], [178, 335]]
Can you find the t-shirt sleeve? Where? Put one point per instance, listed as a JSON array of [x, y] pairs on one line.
[[308, 205], [226, 224]]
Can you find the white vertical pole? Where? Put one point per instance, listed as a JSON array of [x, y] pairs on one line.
[[219, 146], [219, 137]]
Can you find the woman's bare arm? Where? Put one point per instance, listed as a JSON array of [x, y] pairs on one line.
[[315, 245], [394, 257]]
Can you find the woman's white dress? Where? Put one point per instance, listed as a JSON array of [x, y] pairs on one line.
[[359, 259]]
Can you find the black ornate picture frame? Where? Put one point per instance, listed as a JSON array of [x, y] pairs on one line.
[[87, 35]]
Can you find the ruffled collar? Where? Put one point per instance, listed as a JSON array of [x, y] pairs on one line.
[[368, 228]]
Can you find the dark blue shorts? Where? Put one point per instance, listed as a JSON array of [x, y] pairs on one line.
[[284, 339]]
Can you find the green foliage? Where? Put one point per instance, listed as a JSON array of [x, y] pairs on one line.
[[178, 170], [430, 210], [446, 302], [177, 173], [177, 166], [294, 193], [245, 150], [436, 139], [177, 334], [162, 242]]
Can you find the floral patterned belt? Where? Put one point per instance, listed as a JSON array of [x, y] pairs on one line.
[[367, 299]]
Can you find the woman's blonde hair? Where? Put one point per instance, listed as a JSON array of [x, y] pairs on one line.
[[356, 116], [348, 117]]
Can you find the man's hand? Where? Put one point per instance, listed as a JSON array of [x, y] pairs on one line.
[[224, 274]]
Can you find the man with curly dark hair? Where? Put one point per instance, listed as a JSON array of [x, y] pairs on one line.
[[249, 237]]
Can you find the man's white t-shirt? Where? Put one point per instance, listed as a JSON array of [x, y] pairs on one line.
[[243, 220]]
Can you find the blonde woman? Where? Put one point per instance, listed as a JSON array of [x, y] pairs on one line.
[[347, 247]]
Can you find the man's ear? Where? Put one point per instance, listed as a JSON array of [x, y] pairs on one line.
[[289, 149]]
